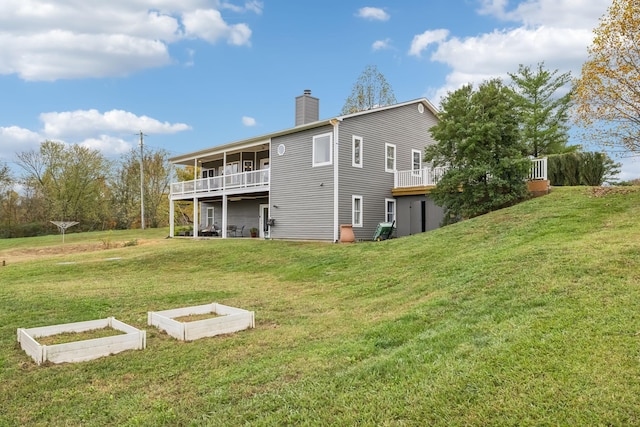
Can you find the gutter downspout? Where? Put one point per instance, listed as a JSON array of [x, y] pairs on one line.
[[336, 187]]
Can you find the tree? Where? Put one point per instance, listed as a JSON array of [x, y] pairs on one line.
[[608, 91], [369, 91], [478, 139], [543, 112], [70, 179], [126, 188]]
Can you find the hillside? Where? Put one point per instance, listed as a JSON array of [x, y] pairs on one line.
[[525, 316]]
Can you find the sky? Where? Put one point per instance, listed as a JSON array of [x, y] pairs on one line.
[[194, 74]]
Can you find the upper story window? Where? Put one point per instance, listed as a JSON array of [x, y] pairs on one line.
[[356, 159], [416, 159], [322, 149], [390, 157]]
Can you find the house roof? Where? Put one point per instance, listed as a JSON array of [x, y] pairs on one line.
[[189, 158]]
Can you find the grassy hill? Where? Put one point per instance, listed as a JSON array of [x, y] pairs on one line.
[[526, 316]]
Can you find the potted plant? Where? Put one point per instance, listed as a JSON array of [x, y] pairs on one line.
[[253, 231]]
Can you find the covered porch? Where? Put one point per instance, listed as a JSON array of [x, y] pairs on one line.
[[229, 190]]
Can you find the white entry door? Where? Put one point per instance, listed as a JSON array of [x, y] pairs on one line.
[[263, 229]]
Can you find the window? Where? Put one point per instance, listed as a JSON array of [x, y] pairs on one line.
[[356, 210], [322, 149], [416, 159], [357, 151], [210, 216], [390, 158], [390, 210]]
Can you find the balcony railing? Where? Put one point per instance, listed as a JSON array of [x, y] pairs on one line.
[[247, 180], [430, 176]]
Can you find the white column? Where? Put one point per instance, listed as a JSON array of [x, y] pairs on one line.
[[196, 221], [224, 216], [172, 215]]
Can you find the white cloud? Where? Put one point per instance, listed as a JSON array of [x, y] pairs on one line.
[[381, 44], [249, 6], [422, 41], [111, 132], [373, 14], [556, 13], [209, 25], [46, 40], [556, 32], [15, 139], [248, 121], [82, 123], [108, 145]]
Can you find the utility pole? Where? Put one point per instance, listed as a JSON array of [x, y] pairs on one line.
[[141, 181]]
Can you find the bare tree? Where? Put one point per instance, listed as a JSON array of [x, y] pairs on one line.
[[369, 91]]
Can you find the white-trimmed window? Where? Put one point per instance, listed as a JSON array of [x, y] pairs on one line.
[[416, 160], [390, 157], [210, 216], [390, 210], [356, 149], [322, 149], [356, 211]]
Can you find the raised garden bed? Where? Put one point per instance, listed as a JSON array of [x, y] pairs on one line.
[[78, 351], [222, 319]]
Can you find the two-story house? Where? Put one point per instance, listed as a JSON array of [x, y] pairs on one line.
[[306, 181]]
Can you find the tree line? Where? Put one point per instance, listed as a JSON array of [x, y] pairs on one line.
[[70, 182]]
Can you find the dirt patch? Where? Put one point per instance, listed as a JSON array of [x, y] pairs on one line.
[[194, 317], [28, 254], [67, 337], [605, 191]]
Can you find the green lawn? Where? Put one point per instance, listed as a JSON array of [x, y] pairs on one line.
[[526, 316]]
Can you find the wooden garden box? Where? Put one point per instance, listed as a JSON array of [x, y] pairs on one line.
[[79, 351], [230, 320]]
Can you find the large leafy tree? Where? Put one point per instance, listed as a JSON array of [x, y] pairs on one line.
[[157, 172], [71, 179], [608, 91], [544, 111], [370, 90], [478, 139]]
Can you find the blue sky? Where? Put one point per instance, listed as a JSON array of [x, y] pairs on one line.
[[193, 74]]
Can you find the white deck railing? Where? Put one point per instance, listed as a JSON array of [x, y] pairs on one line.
[[419, 177], [430, 176], [248, 180], [538, 169]]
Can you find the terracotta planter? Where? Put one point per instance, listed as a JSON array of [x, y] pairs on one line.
[[346, 233]]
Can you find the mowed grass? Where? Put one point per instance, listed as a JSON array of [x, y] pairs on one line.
[[526, 316]]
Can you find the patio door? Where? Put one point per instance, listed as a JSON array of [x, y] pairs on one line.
[[263, 229], [264, 166]]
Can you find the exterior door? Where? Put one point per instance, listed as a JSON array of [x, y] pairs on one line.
[[264, 166], [263, 229]]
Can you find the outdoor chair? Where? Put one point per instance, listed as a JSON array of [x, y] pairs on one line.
[[232, 229]]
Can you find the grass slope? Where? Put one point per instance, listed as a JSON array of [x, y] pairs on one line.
[[526, 316]]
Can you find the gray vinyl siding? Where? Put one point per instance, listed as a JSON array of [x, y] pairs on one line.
[[301, 195], [407, 129]]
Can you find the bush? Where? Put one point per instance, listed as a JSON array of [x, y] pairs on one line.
[[588, 168], [32, 229]]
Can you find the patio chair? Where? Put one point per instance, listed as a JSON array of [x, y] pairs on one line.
[[232, 229], [241, 231]]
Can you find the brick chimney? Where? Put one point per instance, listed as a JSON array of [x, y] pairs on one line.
[[307, 108]]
